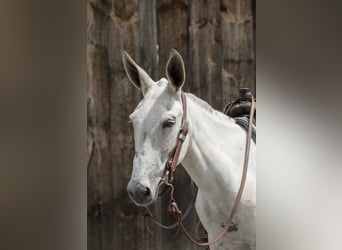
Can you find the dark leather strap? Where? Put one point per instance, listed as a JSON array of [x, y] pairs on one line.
[[148, 213], [184, 129], [244, 123]]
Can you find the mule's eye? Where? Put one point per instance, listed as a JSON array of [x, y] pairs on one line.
[[169, 122]]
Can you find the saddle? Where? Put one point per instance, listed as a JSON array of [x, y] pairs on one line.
[[240, 108]]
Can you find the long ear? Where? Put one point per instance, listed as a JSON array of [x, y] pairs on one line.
[[137, 75], [175, 71]]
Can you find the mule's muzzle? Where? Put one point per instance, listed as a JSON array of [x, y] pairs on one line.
[[139, 193]]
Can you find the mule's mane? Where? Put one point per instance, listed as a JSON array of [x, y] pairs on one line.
[[204, 105]]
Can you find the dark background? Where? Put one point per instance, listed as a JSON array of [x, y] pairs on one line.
[[43, 146], [216, 40]]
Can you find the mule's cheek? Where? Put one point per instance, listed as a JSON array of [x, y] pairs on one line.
[[166, 148]]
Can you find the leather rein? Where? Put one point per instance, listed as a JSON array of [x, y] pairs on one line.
[[171, 166]]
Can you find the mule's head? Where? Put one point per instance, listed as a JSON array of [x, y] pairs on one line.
[[156, 122]]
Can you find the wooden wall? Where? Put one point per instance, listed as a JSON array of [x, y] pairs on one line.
[[217, 42]]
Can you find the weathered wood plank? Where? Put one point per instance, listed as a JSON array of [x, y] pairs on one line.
[[148, 38], [172, 31], [147, 59], [238, 62], [99, 167], [205, 51], [113, 221]]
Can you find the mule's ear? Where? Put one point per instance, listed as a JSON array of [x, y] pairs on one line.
[[175, 71], [137, 75]]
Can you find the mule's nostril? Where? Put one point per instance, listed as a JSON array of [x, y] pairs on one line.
[[139, 193], [147, 192]]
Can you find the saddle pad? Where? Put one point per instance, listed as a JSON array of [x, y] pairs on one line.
[[243, 122]]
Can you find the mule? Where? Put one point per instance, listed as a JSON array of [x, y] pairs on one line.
[[212, 153]]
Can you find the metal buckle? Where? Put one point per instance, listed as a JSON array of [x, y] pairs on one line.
[[166, 178], [184, 122], [181, 137]]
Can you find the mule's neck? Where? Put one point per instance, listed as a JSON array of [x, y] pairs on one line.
[[215, 153]]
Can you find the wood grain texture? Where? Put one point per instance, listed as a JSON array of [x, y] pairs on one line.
[[205, 51], [238, 55]]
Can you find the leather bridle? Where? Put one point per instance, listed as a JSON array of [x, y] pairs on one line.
[[171, 166]]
